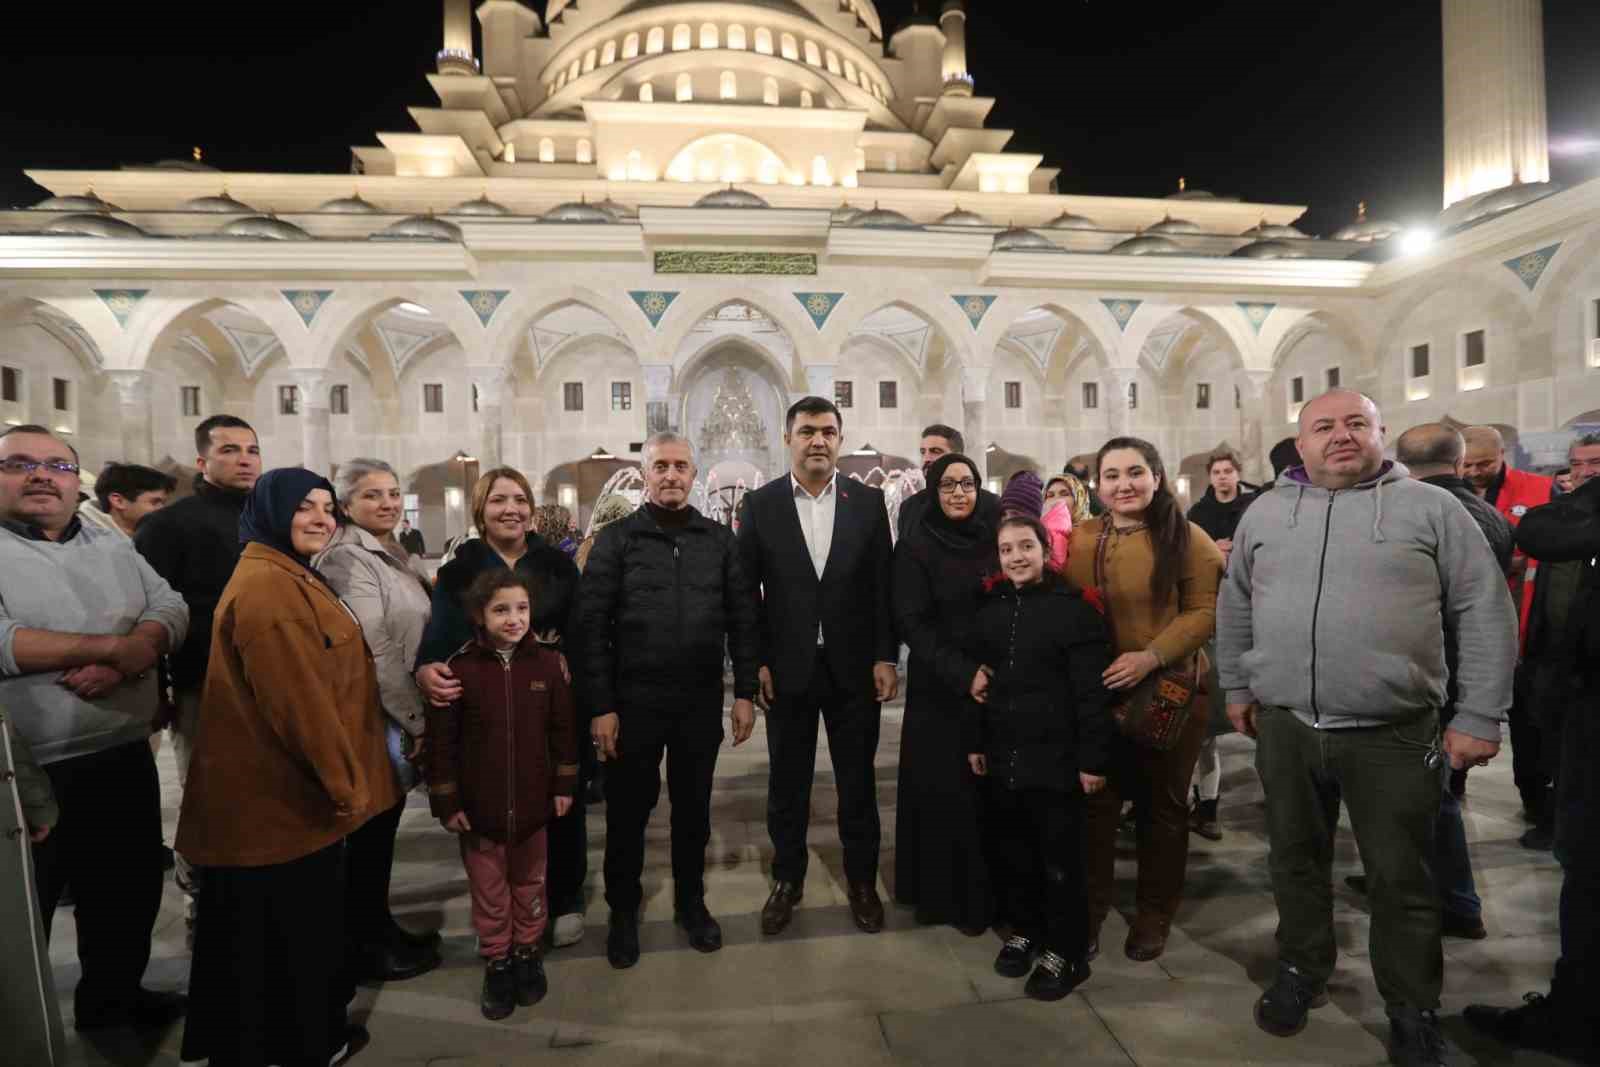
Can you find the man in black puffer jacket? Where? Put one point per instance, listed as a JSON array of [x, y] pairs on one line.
[[661, 590]]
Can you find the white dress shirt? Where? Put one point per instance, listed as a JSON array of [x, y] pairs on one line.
[[816, 523]]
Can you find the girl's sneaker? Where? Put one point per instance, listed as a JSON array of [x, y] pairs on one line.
[[528, 966], [499, 989], [1054, 977], [1016, 957]]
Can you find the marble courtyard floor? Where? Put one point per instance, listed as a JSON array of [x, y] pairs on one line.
[[824, 994]]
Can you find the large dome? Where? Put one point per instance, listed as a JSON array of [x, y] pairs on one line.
[[864, 10]]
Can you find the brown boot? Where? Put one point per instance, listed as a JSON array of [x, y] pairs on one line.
[[1147, 938]]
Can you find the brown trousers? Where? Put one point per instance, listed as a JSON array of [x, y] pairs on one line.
[[1158, 784]]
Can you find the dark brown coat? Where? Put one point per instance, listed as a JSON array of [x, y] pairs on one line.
[[290, 754]]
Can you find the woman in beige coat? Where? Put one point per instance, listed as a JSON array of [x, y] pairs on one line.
[[388, 592]]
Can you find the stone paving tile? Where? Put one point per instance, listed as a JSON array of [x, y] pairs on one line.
[[823, 993]]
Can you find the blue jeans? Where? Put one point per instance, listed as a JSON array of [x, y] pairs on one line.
[[1452, 863]]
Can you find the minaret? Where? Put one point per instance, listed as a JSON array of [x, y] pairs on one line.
[[456, 57], [953, 21], [1495, 131]]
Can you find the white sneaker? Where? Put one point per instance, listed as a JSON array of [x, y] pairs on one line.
[[568, 930]]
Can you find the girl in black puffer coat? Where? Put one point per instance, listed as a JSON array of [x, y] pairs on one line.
[[1043, 737]]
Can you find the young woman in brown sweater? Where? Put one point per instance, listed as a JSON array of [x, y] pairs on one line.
[[1160, 577]]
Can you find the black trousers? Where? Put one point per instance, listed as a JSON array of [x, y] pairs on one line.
[[107, 845], [690, 741], [1530, 766], [1041, 877], [266, 983], [567, 841], [369, 863], [1577, 846], [851, 717]]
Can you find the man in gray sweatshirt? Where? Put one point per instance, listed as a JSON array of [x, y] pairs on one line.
[[1331, 635], [83, 619]]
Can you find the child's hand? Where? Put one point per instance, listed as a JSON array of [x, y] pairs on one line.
[[979, 764], [458, 823], [1092, 783], [563, 805]]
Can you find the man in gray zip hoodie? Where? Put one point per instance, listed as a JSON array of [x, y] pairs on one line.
[[1330, 638]]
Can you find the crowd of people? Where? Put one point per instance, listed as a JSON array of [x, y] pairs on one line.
[[1076, 646]]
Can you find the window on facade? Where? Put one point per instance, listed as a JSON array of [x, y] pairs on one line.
[[789, 46], [888, 394], [61, 394], [685, 87], [681, 38], [647, 95], [589, 59], [844, 394], [1475, 352], [764, 41], [433, 398], [474, 398], [805, 98], [769, 91], [1238, 398], [736, 38], [547, 150], [572, 396], [288, 400], [1133, 396], [574, 70], [585, 151], [630, 46], [813, 54], [655, 41], [850, 71], [708, 35], [833, 63], [1202, 396], [1597, 320], [1333, 377], [621, 396], [1091, 395], [10, 385], [608, 54], [1419, 361], [1297, 390], [1013, 395], [730, 85], [189, 400], [338, 400]]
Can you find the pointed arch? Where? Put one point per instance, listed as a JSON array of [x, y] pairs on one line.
[[523, 310]]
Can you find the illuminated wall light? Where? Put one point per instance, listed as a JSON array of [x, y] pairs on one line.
[[850, 181], [510, 154], [819, 172], [769, 172], [1416, 389], [1415, 240], [452, 497], [796, 178], [1473, 378], [618, 173], [988, 183], [567, 497]]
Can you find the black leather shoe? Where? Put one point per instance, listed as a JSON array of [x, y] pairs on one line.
[[146, 1009], [1016, 958], [705, 935], [399, 935], [865, 908], [1539, 1022], [397, 962], [622, 943], [499, 997], [1541, 838], [1468, 928], [528, 967], [778, 911], [1055, 977], [1283, 1009]]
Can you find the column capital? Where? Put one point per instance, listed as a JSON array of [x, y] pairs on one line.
[[133, 386], [974, 385], [819, 379], [309, 381], [1252, 382], [657, 381], [490, 380]]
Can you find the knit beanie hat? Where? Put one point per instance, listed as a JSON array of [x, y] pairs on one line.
[[1284, 454], [1024, 495]]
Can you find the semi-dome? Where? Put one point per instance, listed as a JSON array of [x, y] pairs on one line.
[[881, 218], [1172, 225], [958, 217], [730, 197], [1368, 230], [1017, 239], [482, 207], [1068, 221], [844, 214], [91, 225], [1273, 249], [618, 211], [1267, 231], [218, 205], [351, 205], [1509, 199], [263, 228], [420, 228], [81, 202], [1147, 246], [580, 211]]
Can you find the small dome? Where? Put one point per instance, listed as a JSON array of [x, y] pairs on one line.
[[1172, 225], [1273, 249], [619, 211], [1509, 199], [420, 228], [844, 214], [84, 202], [86, 225], [959, 217], [731, 197], [1191, 194], [1266, 231], [883, 219], [1147, 246], [1017, 239], [350, 205], [263, 228], [1368, 230], [482, 207], [1068, 221], [578, 212], [192, 166], [219, 205]]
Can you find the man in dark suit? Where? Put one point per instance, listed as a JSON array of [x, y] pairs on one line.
[[941, 440], [818, 546]]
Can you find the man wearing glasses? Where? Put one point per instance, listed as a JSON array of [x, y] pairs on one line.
[[83, 619]]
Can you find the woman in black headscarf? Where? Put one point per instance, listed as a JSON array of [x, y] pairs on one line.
[[939, 569], [289, 760]]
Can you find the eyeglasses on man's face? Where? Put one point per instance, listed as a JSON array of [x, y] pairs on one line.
[[952, 486], [25, 465]]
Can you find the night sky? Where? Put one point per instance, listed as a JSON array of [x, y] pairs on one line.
[[1321, 104]]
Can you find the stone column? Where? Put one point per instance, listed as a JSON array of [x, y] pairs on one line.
[[133, 399], [1119, 378], [660, 412], [492, 384], [974, 397], [316, 421], [1253, 416]]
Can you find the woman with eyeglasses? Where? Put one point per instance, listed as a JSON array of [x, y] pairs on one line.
[[939, 569]]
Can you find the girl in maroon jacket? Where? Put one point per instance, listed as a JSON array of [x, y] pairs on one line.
[[504, 762]]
